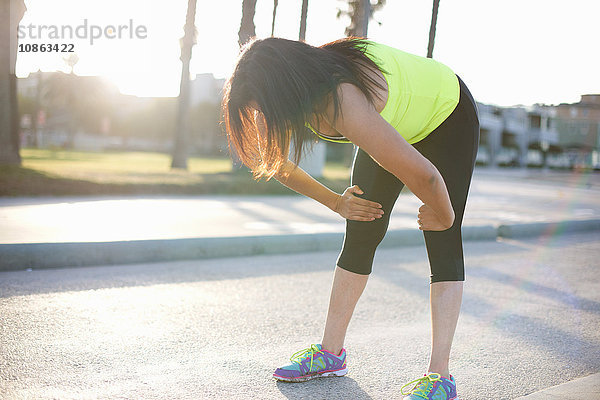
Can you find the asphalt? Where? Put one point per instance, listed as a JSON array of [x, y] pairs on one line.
[[538, 211], [60, 232], [216, 329]]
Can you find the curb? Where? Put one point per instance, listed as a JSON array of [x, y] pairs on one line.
[[547, 228], [21, 256], [581, 388]]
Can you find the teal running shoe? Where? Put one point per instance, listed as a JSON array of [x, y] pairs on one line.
[[313, 362], [431, 387]]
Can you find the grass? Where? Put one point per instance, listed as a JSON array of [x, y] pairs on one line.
[[64, 172]]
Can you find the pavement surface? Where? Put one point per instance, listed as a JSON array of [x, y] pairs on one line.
[[216, 329], [587, 387], [496, 197]]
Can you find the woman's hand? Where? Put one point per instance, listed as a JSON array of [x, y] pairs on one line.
[[354, 208], [429, 221], [360, 123]]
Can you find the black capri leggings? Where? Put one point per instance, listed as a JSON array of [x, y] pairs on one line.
[[452, 148]]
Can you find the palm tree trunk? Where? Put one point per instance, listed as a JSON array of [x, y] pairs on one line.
[[9, 112], [275, 4], [304, 12], [247, 29], [365, 15], [360, 14], [434, 13], [180, 153], [37, 109]]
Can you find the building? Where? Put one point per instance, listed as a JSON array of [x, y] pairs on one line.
[[578, 127], [205, 88], [563, 136]]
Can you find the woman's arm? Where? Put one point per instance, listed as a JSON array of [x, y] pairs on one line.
[[364, 126], [298, 180], [347, 205]]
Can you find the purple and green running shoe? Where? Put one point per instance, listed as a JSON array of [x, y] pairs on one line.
[[313, 362], [431, 387]]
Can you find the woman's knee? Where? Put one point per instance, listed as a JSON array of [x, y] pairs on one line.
[[360, 242]]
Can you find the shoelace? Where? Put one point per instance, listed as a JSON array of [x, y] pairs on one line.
[[421, 385], [298, 356]]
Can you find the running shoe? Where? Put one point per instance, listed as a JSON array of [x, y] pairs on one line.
[[313, 362], [431, 387]]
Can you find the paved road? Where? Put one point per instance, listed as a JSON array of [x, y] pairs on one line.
[[215, 329], [497, 197]]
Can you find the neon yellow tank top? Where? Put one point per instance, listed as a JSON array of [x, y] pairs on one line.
[[422, 92]]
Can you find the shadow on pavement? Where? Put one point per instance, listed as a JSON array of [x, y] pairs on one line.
[[263, 216], [324, 388], [22, 283], [531, 329], [568, 299]]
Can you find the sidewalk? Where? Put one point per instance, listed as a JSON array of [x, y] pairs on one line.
[[587, 388], [49, 232]]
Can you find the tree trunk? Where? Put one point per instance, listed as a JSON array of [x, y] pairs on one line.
[[247, 30], [304, 12], [275, 4], [434, 13], [9, 112], [35, 128], [360, 13], [365, 15], [180, 150]]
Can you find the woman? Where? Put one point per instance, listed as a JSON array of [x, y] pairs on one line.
[[414, 123]]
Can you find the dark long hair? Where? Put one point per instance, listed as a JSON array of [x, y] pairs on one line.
[[288, 82]]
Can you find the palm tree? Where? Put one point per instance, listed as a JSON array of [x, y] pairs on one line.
[[302, 34], [11, 13], [275, 4], [247, 31], [180, 153], [360, 12], [247, 28], [434, 13]]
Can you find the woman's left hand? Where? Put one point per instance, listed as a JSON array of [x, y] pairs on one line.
[[428, 220]]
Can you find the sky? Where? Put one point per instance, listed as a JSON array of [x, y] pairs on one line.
[[508, 52]]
